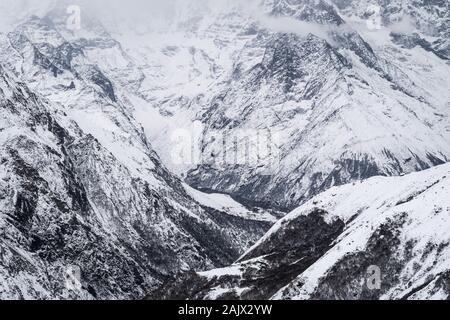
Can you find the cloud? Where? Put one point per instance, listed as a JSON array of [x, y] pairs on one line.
[[405, 25], [291, 25], [147, 15]]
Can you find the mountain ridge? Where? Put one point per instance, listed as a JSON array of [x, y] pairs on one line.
[[326, 249], [88, 133]]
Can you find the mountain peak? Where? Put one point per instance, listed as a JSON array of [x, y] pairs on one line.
[[315, 11]]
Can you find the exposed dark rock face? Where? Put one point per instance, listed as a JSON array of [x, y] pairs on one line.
[[97, 77], [384, 238], [429, 16], [298, 85], [347, 280], [308, 10], [66, 201], [443, 282], [268, 267]]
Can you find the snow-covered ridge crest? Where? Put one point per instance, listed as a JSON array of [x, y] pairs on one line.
[[350, 103], [395, 226]]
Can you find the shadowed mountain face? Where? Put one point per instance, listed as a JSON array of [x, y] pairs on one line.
[[81, 188], [385, 238]]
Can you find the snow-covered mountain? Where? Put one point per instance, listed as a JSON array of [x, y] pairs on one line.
[[395, 229], [425, 23], [101, 124], [82, 187], [300, 72], [376, 100], [68, 200]]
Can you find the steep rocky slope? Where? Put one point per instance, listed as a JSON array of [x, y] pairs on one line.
[[82, 187], [332, 246], [297, 74], [88, 121], [367, 96]]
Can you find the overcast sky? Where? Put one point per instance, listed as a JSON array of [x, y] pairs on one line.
[[146, 15], [151, 12]]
